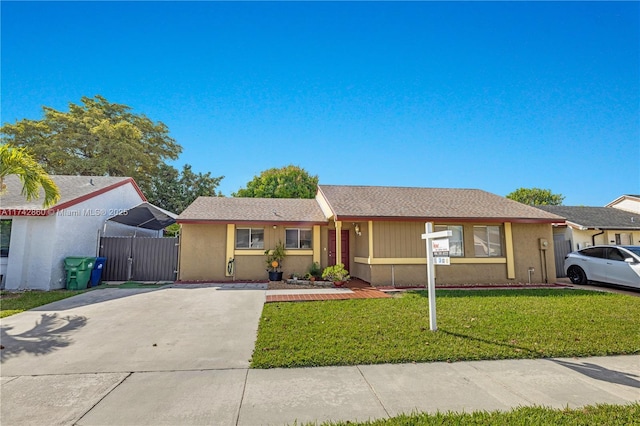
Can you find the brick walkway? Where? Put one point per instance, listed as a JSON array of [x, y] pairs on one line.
[[359, 290]]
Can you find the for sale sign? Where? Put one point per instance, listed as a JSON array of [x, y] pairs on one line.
[[440, 248]]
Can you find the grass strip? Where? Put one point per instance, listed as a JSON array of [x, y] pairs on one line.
[[472, 325], [12, 303], [602, 414]]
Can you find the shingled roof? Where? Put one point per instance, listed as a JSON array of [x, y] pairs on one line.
[[596, 217], [73, 190], [408, 203], [271, 210]]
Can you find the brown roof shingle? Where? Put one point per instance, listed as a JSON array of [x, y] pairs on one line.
[[596, 217], [222, 209], [426, 203]]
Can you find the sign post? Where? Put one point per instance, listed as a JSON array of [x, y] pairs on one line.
[[432, 241]]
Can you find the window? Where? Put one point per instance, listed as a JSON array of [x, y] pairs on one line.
[[298, 239], [5, 237], [614, 254], [487, 241], [593, 252], [623, 239], [250, 238], [456, 240]]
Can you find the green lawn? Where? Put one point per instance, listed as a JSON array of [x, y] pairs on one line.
[[472, 325], [14, 303], [602, 415]]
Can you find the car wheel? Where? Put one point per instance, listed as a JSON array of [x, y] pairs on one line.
[[577, 275]]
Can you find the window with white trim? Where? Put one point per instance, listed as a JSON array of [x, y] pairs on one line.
[[487, 241], [298, 238], [456, 240], [250, 238]]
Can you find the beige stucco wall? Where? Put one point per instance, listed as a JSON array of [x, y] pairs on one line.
[[527, 252], [586, 238], [399, 255], [202, 252], [203, 255]]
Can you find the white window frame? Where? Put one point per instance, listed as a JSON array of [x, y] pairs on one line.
[[298, 245], [490, 252], [452, 242], [259, 244]]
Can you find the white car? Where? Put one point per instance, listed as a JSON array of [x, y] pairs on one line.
[[609, 264]]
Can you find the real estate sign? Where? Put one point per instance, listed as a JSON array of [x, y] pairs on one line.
[[440, 249]]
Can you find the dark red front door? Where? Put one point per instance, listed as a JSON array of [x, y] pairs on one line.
[[345, 248]]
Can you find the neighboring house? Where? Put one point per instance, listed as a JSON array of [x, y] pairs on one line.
[[588, 226], [35, 241], [630, 203], [375, 231]]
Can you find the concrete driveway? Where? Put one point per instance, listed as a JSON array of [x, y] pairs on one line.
[[124, 330], [62, 359]]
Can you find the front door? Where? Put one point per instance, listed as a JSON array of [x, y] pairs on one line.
[[344, 241]]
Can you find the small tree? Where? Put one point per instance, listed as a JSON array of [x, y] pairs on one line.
[[536, 197], [286, 182], [174, 190]]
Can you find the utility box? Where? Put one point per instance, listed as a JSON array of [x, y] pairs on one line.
[[544, 244]]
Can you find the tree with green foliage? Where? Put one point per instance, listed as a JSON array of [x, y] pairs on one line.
[[536, 197], [17, 161], [96, 137], [174, 190], [286, 182]]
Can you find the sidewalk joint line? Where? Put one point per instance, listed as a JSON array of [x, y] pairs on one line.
[[373, 391], [244, 387], [116, 386]]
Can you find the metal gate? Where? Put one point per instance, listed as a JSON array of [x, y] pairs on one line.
[[561, 248], [139, 258]]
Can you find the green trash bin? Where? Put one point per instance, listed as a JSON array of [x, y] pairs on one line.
[[78, 271]]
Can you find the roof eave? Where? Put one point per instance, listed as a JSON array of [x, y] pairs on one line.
[[348, 218], [62, 206], [251, 222]]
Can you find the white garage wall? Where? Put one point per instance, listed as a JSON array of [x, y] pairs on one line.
[[39, 244], [77, 227]]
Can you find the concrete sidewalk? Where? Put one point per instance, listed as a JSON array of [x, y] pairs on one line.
[[240, 396]]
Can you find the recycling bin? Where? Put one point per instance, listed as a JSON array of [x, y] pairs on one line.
[[96, 273], [78, 271]]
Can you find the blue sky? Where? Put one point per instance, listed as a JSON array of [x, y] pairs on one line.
[[488, 95]]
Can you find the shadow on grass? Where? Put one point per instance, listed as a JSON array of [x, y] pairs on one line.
[[532, 292], [48, 335], [534, 354], [598, 372]]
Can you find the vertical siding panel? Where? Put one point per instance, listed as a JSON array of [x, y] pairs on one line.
[[154, 259]]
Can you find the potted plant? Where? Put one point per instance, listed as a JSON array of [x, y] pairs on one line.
[[274, 260], [336, 273], [315, 272]]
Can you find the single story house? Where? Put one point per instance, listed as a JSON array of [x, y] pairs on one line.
[[375, 231], [35, 241], [630, 203], [588, 226]]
